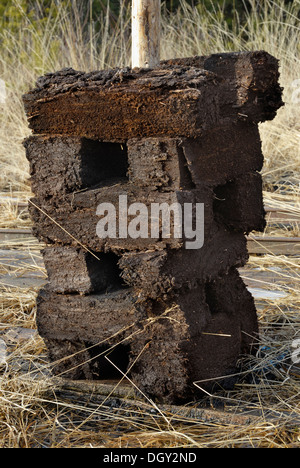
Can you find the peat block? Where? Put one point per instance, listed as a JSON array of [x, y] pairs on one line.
[[209, 358], [86, 272], [239, 203], [116, 105], [61, 165], [250, 82], [73, 219], [221, 154], [157, 273]]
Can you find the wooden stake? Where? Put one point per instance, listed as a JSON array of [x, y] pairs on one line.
[[146, 33]]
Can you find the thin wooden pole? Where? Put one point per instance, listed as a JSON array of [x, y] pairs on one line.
[[146, 33]]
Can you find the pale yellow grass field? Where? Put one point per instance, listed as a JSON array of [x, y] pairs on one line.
[[34, 410]]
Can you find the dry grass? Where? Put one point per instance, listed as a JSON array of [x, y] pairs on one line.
[[286, 222], [36, 411]]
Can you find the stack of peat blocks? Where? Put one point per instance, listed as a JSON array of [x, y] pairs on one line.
[[185, 132]]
